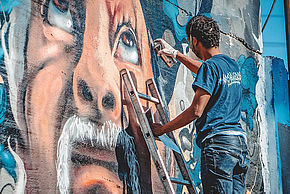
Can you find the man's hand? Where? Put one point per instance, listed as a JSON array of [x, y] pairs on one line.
[[166, 48], [156, 129]]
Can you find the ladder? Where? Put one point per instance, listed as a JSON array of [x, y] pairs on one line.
[[149, 137]]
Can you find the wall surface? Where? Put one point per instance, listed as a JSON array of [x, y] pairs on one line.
[[64, 125], [281, 107], [284, 138]]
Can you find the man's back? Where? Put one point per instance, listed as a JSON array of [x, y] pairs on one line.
[[221, 78]]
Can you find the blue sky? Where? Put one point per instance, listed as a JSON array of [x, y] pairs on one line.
[[274, 35]]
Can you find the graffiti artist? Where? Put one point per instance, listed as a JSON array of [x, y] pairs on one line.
[[215, 107]]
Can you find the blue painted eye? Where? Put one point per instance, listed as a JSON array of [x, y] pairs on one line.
[[58, 14], [127, 47]]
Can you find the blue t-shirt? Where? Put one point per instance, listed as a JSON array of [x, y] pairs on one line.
[[221, 78]]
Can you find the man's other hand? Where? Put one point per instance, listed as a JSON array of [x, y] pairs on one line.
[[166, 49], [156, 129]]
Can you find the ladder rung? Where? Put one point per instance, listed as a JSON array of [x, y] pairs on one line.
[[146, 97], [179, 181]]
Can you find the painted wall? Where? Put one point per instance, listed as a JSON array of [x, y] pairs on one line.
[[282, 118], [61, 108]]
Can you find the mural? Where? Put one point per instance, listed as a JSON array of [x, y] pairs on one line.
[[66, 124]]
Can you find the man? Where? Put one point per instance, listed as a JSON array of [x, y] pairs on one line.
[[63, 61], [215, 107]]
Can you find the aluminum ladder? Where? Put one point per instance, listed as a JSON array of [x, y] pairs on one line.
[[155, 98]]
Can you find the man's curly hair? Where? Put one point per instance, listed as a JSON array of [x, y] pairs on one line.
[[205, 30]]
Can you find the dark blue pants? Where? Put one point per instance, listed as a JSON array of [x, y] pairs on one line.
[[224, 164]]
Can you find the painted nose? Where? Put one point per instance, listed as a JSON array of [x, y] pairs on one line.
[[96, 80], [108, 100], [84, 91], [96, 87], [94, 101]]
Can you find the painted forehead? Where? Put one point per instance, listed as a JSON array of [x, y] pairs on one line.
[[122, 11], [118, 10], [113, 16]]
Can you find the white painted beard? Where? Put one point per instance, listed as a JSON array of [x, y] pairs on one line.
[[81, 129]]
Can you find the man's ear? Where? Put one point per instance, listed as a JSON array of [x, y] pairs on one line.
[[194, 41]]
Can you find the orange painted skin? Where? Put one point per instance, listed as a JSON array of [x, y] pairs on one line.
[[56, 63]]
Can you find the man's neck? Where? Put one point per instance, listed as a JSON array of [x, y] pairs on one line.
[[209, 53]]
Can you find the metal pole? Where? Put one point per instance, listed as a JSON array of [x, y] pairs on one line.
[[287, 26]]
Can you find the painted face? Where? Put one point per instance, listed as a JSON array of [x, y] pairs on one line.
[[69, 105]]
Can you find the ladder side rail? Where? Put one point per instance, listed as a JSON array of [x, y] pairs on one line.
[[146, 131], [164, 119]]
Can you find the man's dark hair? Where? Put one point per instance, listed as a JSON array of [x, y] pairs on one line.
[[205, 30]]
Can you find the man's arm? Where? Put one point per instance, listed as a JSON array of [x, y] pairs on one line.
[[192, 64], [193, 112]]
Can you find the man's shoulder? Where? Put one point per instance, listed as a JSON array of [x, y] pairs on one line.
[[218, 61], [220, 57]]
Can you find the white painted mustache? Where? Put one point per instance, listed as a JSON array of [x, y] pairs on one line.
[[78, 129]]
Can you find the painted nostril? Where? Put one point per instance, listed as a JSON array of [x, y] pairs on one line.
[[84, 90], [108, 101]]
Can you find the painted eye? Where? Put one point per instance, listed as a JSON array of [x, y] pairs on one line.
[[127, 47], [58, 14]]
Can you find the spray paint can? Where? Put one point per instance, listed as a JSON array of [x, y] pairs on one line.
[[169, 61]]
